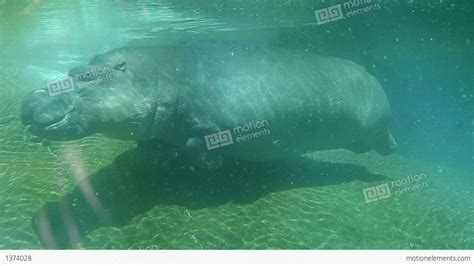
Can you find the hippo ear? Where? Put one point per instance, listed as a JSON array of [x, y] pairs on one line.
[[121, 67]]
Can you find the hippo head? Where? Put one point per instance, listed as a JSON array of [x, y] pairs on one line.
[[111, 95]]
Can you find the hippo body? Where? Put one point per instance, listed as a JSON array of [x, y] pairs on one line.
[[253, 103]]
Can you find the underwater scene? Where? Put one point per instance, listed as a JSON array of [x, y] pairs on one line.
[[236, 124]]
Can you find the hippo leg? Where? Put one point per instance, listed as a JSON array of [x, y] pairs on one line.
[[385, 144]]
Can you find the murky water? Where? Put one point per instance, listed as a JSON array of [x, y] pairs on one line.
[[99, 192]]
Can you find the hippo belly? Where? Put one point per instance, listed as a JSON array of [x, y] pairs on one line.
[[279, 103]]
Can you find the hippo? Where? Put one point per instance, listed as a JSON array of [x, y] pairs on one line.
[[218, 100]]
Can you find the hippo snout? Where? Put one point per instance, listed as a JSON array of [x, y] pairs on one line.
[[43, 112], [42, 109]]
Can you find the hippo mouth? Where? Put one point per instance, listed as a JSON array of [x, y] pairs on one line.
[[58, 130], [59, 124], [111, 109]]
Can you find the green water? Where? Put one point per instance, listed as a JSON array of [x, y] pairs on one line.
[[153, 202]]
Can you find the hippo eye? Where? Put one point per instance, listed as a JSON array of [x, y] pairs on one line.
[[121, 67]]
